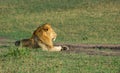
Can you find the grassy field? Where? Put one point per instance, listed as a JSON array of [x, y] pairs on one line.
[[37, 61], [75, 21], [88, 21]]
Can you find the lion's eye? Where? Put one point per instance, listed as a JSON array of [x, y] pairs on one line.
[[46, 29]]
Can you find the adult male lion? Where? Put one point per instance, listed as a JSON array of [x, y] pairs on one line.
[[42, 37]]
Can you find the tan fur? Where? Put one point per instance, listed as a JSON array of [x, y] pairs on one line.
[[42, 37]]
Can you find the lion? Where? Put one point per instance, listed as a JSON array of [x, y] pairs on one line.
[[42, 37]]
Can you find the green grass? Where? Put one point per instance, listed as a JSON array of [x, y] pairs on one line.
[[75, 21], [86, 21], [25, 60]]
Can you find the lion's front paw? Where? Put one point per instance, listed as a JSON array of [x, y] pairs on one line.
[[64, 48]]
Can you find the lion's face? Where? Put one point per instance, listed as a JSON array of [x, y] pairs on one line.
[[45, 32], [47, 29]]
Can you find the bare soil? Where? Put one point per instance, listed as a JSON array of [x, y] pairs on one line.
[[90, 49], [5, 42]]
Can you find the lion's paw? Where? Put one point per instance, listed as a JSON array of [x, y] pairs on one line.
[[64, 48]]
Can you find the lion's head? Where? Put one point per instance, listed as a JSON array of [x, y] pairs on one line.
[[45, 31], [45, 34]]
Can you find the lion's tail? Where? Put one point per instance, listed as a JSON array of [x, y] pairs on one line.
[[24, 43], [17, 43]]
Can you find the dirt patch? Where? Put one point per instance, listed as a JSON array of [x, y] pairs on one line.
[[91, 49], [5, 42], [98, 49]]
